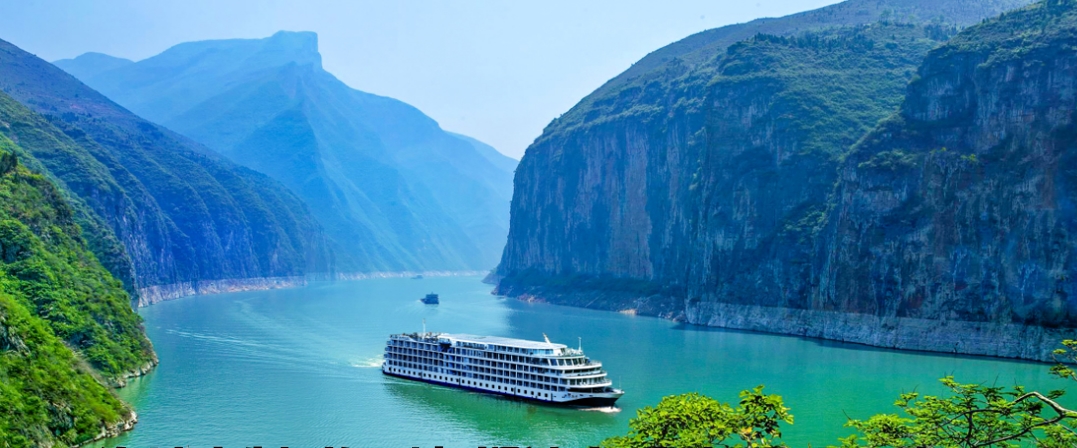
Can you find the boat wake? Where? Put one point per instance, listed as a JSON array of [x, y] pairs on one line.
[[369, 363], [604, 409]]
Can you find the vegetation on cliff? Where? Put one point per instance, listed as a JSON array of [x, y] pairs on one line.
[[66, 325], [180, 212], [759, 188], [742, 149], [963, 199]]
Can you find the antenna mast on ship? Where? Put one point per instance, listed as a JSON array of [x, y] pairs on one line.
[[581, 343], [424, 326], [547, 338]]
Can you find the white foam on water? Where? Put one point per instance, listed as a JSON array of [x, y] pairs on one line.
[[369, 363], [604, 410]]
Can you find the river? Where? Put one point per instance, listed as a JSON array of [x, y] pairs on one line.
[[301, 367]]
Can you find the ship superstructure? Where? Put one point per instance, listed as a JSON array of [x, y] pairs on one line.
[[540, 371]]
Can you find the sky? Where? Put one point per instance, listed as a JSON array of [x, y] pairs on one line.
[[498, 71]]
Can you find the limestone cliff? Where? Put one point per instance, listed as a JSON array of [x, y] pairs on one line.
[[756, 191]]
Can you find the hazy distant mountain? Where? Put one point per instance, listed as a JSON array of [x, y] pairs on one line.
[[186, 218], [392, 189], [91, 64], [493, 155]]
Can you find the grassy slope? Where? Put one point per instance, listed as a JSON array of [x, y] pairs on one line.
[[64, 320]]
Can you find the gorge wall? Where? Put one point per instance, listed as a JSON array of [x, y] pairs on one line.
[[390, 188], [156, 208], [755, 191], [67, 331]]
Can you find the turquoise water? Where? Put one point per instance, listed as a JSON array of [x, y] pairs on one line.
[[300, 367]]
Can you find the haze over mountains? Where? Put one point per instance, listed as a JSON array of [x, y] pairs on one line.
[[392, 190], [160, 211]]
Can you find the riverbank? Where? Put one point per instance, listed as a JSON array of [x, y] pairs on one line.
[[160, 293], [1000, 340], [108, 431], [299, 359]]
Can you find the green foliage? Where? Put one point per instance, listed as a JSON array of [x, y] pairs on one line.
[[64, 320], [1018, 34], [46, 149], [973, 416], [8, 161], [1066, 357], [47, 395], [825, 90], [693, 420], [181, 212], [48, 267], [806, 226], [890, 161]]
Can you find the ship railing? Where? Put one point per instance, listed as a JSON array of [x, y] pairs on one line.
[[583, 374], [591, 384], [590, 364]]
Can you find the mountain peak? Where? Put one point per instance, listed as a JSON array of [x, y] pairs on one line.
[[282, 48], [299, 46], [91, 64]]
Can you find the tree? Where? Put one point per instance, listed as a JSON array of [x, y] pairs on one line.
[[976, 416], [693, 420], [971, 416]]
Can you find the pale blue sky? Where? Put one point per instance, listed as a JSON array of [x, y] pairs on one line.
[[497, 71]]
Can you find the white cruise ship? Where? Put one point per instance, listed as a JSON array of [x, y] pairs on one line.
[[540, 371]]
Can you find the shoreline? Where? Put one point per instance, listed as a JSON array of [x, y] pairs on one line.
[[162, 293], [107, 432], [951, 337]]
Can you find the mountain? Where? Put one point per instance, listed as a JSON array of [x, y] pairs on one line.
[[735, 184], [92, 64], [503, 162], [188, 220], [393, 190], [961, 206], [64, 321]]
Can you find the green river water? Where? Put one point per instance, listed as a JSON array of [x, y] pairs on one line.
[[301, 367]]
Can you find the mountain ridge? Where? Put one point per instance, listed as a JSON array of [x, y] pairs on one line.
[[182, 212], [760, 190], [67, 331], [392, 189]]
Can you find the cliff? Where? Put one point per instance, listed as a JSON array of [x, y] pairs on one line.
[[157, 209], [393, 191], [735, 193], [960, 208], [66, 326]]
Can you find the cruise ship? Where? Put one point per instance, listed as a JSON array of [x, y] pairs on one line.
[[539, 371]]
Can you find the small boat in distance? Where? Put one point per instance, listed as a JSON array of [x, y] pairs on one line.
[[417, 277], [532, 370], [430, 299]]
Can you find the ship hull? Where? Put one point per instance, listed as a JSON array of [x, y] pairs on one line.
[[591, 401]]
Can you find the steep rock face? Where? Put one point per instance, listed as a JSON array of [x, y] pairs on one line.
[[962, 206], [730, 162], [181, 212], [741, 205], [392, 189]]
